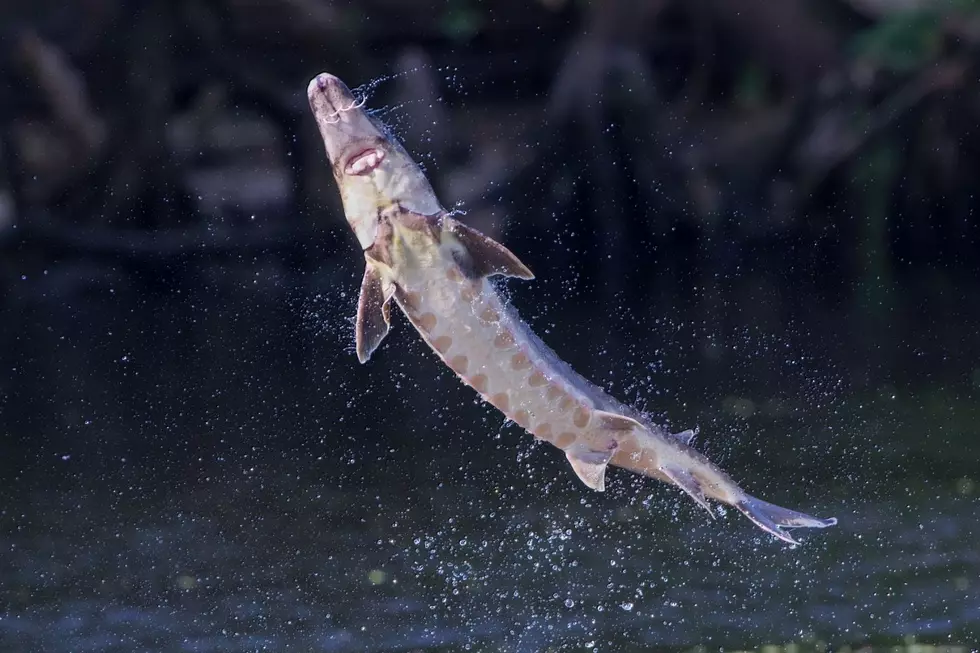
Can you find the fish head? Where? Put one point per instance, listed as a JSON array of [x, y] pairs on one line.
[[372, 169]]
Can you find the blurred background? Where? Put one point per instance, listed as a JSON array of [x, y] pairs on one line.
[[755, 218]]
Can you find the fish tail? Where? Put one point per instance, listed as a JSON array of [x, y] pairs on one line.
[[773, 519]]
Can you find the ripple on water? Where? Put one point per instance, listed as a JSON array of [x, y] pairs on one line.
[[373, 571]]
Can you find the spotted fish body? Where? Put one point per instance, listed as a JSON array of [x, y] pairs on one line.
[[437, 271]]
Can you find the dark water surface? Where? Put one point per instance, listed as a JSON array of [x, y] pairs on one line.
[[276, 564], [201, 466]]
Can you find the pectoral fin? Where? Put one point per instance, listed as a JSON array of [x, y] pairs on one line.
[[589, 465], [373, 313], [484, 256]]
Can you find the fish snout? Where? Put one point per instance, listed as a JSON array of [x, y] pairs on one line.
[[344, 126], [327, 93]]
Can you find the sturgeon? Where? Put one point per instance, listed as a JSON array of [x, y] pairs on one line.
[[437, 271]]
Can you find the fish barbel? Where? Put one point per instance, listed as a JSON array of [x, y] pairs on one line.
[[437, 270]]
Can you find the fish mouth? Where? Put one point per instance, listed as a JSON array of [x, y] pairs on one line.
[[364, 161]]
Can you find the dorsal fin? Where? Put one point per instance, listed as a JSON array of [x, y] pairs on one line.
[[485, 256], [685, 437], [373, 312], [616, 422]]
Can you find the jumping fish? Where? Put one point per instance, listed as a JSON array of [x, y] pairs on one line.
[[437, 270]]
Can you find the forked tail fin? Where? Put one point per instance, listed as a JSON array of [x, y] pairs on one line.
[[773, 519]]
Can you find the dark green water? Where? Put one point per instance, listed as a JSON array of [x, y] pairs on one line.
[[248, 561], [203, 467]]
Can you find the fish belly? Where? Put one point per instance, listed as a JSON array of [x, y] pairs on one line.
[[472, 330]]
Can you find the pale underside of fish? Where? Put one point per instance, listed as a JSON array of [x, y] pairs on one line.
[[437, 271]]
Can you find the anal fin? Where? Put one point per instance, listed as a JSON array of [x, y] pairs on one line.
[[685, 480]]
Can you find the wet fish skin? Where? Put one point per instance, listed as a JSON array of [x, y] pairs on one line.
[[437, 271]]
